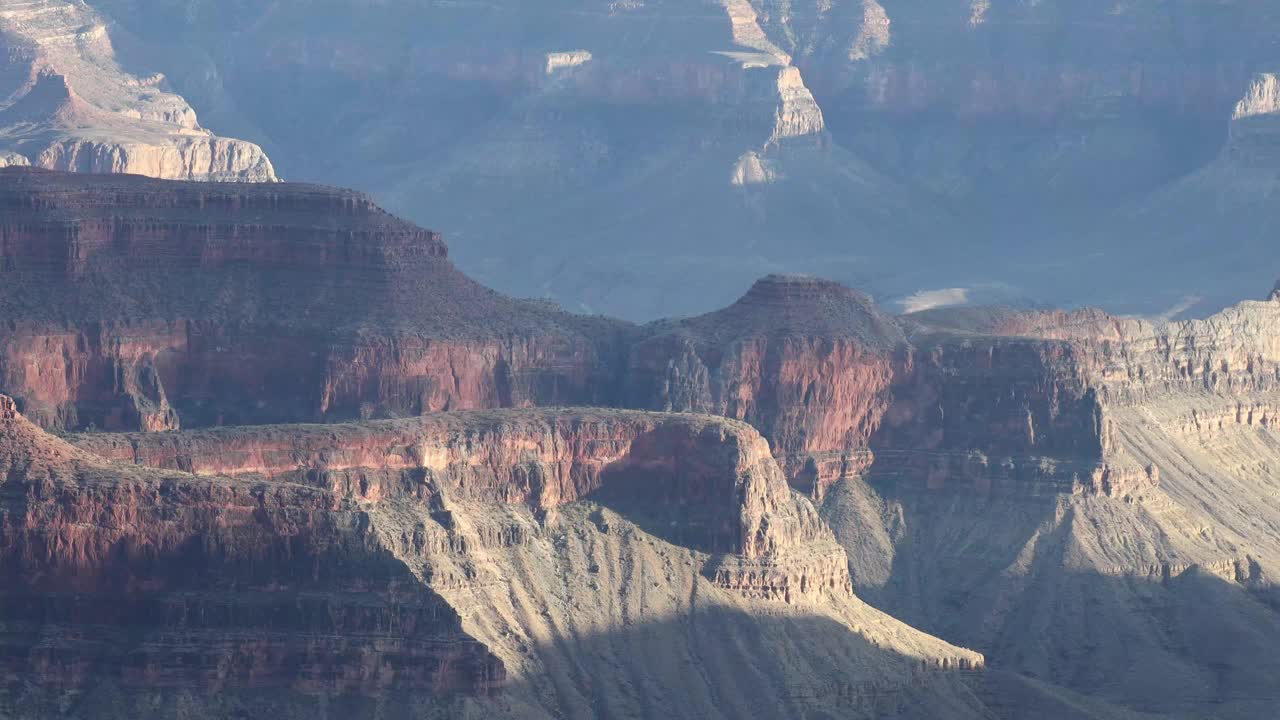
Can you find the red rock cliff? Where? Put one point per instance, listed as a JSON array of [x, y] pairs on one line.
[[137, 578], [807, 361], [129, 303], [303, 560], [716, 476]]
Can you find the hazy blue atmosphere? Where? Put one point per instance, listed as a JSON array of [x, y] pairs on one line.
[[650, 158], [639, 359]]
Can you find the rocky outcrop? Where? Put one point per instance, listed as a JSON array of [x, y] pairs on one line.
[[807, 361], [134, 304], [360, 566], [65, 104], [715, 476], [162, 583], [137, 305], [12, 159]]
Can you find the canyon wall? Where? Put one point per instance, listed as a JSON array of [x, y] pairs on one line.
[[158, 582], [136, 305], [806, 361], [130, 304], [689, 465], [287, 569]]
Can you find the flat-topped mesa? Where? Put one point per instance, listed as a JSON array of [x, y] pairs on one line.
[[55, 223], [712, 478], [133, 303], [806, 361], [60, 196], [155, 580]]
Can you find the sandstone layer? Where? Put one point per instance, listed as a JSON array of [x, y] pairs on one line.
[[807, 361], [1072, 493], [135, 304], [464, 565], [66, 104]]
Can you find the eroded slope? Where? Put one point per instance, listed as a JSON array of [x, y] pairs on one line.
[[406, 568]]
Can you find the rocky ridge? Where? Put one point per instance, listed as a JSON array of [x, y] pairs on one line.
[[132, 304], [235, 582]]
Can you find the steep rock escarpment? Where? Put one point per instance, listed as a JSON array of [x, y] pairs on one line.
[[66, 104], [422, 568], [124, 583], [980, 471], [1075, 475], [807, 361], [540, 459], [130, 303]]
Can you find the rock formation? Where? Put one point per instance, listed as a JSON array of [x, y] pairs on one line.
[[1078, 473], [977, 471], [136, 304], [806, 361], [131, 581], [66, 104], [403, 565]]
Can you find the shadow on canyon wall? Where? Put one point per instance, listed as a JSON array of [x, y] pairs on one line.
[[1017, 579]]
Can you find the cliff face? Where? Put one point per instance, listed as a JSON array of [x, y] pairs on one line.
[[361, 566], [131, 304], [66, 104], [136, 305], [978, 471], [806, 361], [161, 582], [717, 477], [1039, 466]]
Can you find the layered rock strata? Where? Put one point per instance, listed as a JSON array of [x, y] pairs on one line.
[[807, 361], [136, 304], [142, 579], [687, 464], [289, 568]]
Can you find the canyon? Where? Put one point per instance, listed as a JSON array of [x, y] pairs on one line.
[[265, 442], [663, 155]]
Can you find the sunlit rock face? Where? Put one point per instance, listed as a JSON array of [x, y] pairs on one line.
[[66, 104], [293, 569]]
